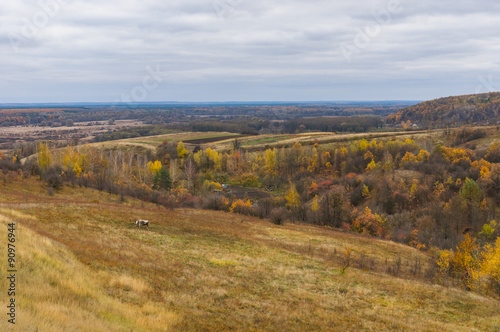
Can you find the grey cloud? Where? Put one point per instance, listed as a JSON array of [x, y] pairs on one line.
[[260, 50]]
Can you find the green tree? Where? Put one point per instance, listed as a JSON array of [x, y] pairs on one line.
[[489, 231], [471, 191], [162, 180], [472, 197]]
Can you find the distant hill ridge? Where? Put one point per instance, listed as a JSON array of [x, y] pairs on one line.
[[457, 110]]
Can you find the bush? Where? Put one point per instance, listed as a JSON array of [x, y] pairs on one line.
[[278, 216], [216, 202], [466, 135], [7, 165], [53, 178], [241, 207], [264, 207]]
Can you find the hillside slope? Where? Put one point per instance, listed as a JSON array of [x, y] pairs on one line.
[[84, 260], [456, 110], [56, 292]]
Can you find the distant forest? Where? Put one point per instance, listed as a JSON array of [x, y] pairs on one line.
[[183, 114], [452, 111]]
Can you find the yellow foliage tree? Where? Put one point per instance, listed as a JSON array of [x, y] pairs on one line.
[[372, 166], [409, 158], [366, 191], [271, 161], [239, 206], [444, 261], [73, 160], [495, 147], [465, 260], [414, 188], [198, 158], [363, 145], [44, 156], [489, 269], [368, 156], [488, 230], [423, 156], [292, 198], [154, 167], [315, 204], [181, 150], [217, 159], [484, 171]]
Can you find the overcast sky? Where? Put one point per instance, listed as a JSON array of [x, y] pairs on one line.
[[246, 50]]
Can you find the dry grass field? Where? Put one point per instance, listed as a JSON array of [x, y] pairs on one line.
[[84, 266], [151, 142]]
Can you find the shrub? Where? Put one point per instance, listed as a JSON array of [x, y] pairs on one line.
[[370, 223], [53, 177], [278, 216], [216, 202], [241, 207]]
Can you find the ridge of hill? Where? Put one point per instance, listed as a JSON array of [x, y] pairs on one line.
[[451, 111]]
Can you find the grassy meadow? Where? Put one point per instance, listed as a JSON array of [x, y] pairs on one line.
[[84, 266]]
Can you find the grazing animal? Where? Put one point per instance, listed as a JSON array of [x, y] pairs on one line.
[[144, 223]]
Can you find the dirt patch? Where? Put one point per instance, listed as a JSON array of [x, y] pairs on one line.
[[251, 193], [84, 131]]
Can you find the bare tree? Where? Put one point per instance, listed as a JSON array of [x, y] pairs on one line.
[[190, 172], [139, 167], [174, 172]]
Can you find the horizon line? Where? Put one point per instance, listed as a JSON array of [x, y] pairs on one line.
[[205, 102]]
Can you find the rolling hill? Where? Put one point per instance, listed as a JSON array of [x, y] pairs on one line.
[[452, 111], [84, 266]]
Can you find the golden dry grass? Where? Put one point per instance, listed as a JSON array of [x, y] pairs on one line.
[[277, 140], [149, 143], [204, 270], [139, 144], [56, 292]]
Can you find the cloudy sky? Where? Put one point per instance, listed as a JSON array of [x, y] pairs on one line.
[[242, 50]]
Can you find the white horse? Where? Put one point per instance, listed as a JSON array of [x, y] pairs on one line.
[[140, 223]]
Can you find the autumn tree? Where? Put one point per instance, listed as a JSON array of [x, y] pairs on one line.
[[489, 231], [465, 259], [493, 154], [292, 198], [491, 183], [370, 223], [44, 156], [181, 150], [488, 272], [315, 208], [271, 161], [154, 167], [73, 160]]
